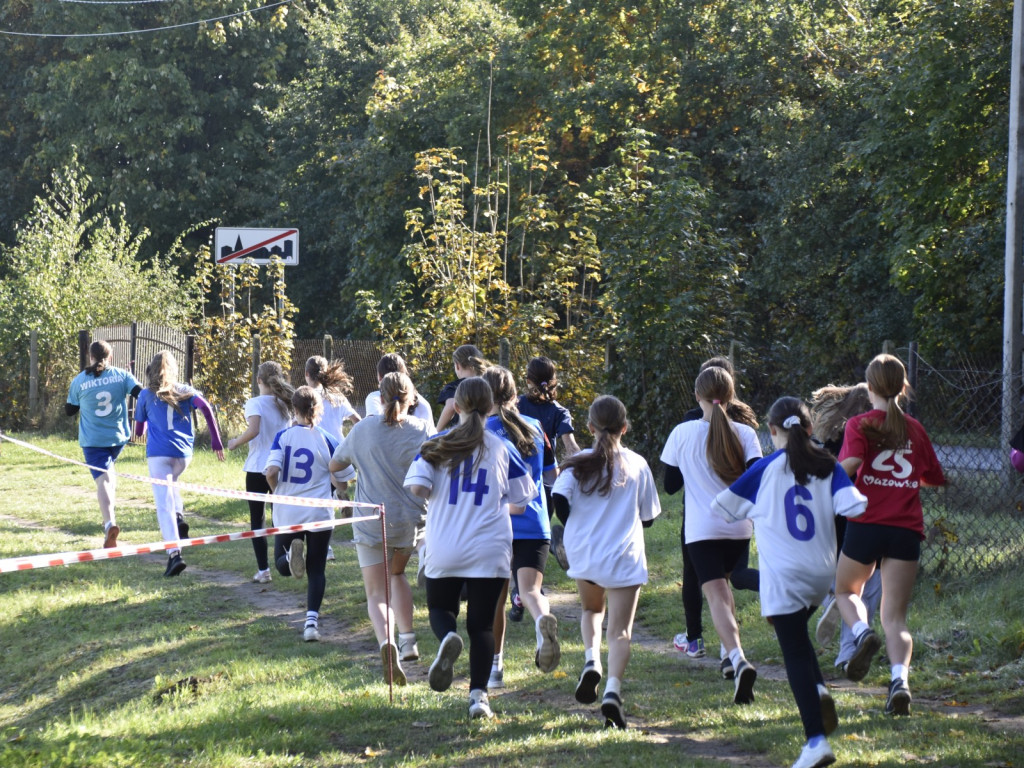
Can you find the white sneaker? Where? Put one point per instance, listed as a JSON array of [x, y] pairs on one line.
[[442, 670], [478, 704], [296, 563], [815, 757], [496, 680], [829, 622], [407, 649], [549, 652], [330, 553], [311, 634], [262, 577]]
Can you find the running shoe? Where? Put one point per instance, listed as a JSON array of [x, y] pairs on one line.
[[611, 708], [330, 554], [389, 658], [549, 652], [296, 563], [496, 680], [829, 621], [311, 633], [407, 648], [558, 546], [515, 613], [745, 677], [898, 703], [479, 706], [727, 671], [860, 663], [692, 648], [182, 527], [442, 670], [816, 756], [262, 577], [110, 536], [175, 565], [586, 688], [829, 718]]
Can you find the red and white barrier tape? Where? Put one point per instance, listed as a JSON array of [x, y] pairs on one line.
[[298, 501], [30, 562]]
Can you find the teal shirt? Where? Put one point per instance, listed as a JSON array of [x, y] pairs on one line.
[[103, 414]]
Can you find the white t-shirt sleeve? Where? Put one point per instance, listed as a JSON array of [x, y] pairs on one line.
[[670, 454], [647, 495], [421, 472], [521, 488], [846, 499], [276, 456]]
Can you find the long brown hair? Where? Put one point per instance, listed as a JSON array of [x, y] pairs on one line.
[[724, 450], [541, 380], [393, 362], [100, 352], [331, 376], [162, 379], [471, 358], [736, 410], [272, 375], [308, 404], [474, 399], [503, 387], [595, 470], [806, 459], [832, 406], [396, 396], [887, 378]]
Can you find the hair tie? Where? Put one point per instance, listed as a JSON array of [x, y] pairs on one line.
[[790, 422], [394, 399], [717, 402], [543, 384]]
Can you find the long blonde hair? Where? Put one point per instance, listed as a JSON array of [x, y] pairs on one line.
[[272, 375], [162, 379], [396, 397], [724, 450], [474, 399], [832, 406]]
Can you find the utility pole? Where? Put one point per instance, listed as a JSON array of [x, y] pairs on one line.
[[1013, 309]]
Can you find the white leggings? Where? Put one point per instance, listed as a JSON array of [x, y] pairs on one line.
[[168, 500]]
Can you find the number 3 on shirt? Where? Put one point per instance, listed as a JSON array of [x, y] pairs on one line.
[[302, 470], [479, 489], [797, 512]]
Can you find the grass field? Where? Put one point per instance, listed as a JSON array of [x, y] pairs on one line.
[[110, 664]]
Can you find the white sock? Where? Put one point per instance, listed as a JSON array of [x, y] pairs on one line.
[[406, 636], [721, 651], [900, 672], [736, 656], [589, 654], [614, 685], [312, 617], [499, 661], [859, 628], [173, 552]]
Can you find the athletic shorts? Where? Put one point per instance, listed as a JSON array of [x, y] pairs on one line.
[[101, 457], [870, 542], [530, 553], [716, 558], [370, 554]]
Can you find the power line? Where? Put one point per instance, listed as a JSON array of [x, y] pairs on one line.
[[143, 31]]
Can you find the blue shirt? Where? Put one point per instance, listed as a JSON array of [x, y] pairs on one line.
[[103, 413], [534, 523], [169, 428]]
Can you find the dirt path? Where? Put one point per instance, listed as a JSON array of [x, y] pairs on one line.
[[290, 608]]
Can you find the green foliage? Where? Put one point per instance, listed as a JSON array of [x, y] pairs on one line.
[[246, 306], [74, 266]]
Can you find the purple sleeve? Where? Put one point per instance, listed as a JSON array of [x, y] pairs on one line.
[[204, 408]]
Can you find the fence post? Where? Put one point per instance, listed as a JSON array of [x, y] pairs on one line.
[[504, 353], [328, 347], [133, 347], [190, 358], [912, 377], [887, 346], [255, 364], [33, 373], [83, 350]]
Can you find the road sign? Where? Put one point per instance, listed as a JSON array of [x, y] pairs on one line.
[[258, 246]]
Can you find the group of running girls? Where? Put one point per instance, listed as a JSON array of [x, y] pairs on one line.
[[474, 496]]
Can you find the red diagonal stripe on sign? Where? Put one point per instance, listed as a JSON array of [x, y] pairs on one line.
[[246, 251]]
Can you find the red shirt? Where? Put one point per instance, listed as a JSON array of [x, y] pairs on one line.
[[892, 479]]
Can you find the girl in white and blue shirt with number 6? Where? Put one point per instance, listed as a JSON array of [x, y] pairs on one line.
[[792, 497], [472, 480]]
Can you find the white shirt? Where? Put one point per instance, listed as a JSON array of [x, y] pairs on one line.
[[604, 539], [796, 529], [421, 411], [469, 530], [686, 449], [335, 414], [303, 455], [271, 422]]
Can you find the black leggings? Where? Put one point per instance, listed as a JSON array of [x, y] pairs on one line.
[[743, 577], [801, 667], [481, 603], [256, 482], [316, 562]]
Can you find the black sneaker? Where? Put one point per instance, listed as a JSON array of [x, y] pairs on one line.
[[898, 703], [727, 671], [611, 708], [586, 688], [558, 546], [829, 717], [182, 527], [515, 613], [175, 565], [860, 663], [745, 677]]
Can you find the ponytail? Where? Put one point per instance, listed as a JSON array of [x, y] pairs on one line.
[[469, 357], [806, 459], [595, 470], [724, 450], [162, 380], [396, 394], [100, 352], [503, 387], [887, 378], [474, 399], [331, 376], [272, 374], [541, 380]]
